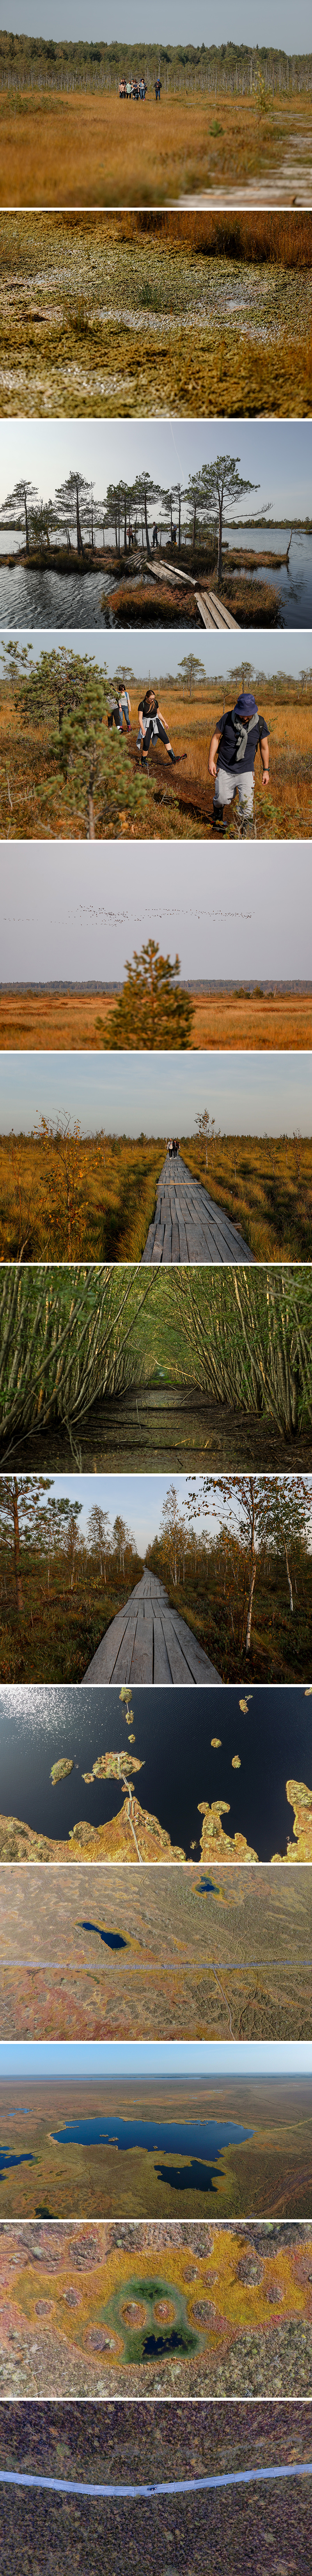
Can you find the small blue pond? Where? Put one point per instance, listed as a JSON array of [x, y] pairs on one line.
[[113, 1940], [6, 2160]]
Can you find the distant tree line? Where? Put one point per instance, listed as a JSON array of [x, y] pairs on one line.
[[239, 70]]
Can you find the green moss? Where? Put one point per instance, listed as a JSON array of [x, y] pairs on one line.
[[153, 2337]]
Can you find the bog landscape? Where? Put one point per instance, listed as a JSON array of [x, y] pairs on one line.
[[159, 1954], [119, 2150]]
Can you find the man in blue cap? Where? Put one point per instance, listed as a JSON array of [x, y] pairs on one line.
[[231, 761]]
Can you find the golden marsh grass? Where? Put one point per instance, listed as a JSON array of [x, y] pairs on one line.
[[89, 149]]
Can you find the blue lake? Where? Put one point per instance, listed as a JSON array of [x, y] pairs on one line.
[[202, 2141]]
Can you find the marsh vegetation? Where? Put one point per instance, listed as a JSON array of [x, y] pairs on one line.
[[65, 1194], [133, 314]]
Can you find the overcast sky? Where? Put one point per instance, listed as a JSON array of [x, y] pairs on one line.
[[114, 2058], [276, 454], [71, 910], [140, 1500], [171, 21], [153, 655], [246, 1095]]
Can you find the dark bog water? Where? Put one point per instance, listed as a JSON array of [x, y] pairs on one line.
[[52, 598], [6, 2161], [113, 1940], [293, 581], [72, 600], [201, 2141], [173, 1730]]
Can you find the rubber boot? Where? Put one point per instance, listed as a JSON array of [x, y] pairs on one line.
[[218, 822]]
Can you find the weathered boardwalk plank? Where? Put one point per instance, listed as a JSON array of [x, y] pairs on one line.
[[188, 1226], [211, 608], [149, 1642]]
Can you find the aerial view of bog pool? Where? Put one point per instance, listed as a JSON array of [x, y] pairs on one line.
[[241, 2526], [125, 2148], [183, 1953], [182, 2309], [200, 1774]]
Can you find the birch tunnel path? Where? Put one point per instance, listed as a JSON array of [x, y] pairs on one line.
[[148, 1642], [188, 1226]]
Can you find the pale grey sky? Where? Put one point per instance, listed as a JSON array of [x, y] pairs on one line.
[[276, 454], [252, 1095], [168, 21], [72, 910], [144, 651]]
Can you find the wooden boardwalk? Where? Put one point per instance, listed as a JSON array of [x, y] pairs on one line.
[[211, 607], [148, 1642], [188, 1226]]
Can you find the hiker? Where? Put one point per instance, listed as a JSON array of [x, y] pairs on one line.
[[135, 89], [231, 760], [122, 89], [157, 88], [170, 1148], [128, 89], [173, 536], [152, 728], [155, 534], [142, 89], [121, 710]]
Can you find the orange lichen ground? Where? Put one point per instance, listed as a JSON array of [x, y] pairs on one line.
[[214, 1842], [230, 2290], [301, 1799], [114, 1841]]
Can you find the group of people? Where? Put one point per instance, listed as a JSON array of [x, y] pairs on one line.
[[239, 733], [137, 88], [173, 1148], [132, 89]]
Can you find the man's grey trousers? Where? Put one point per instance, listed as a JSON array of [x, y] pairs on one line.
[[226, 782]]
